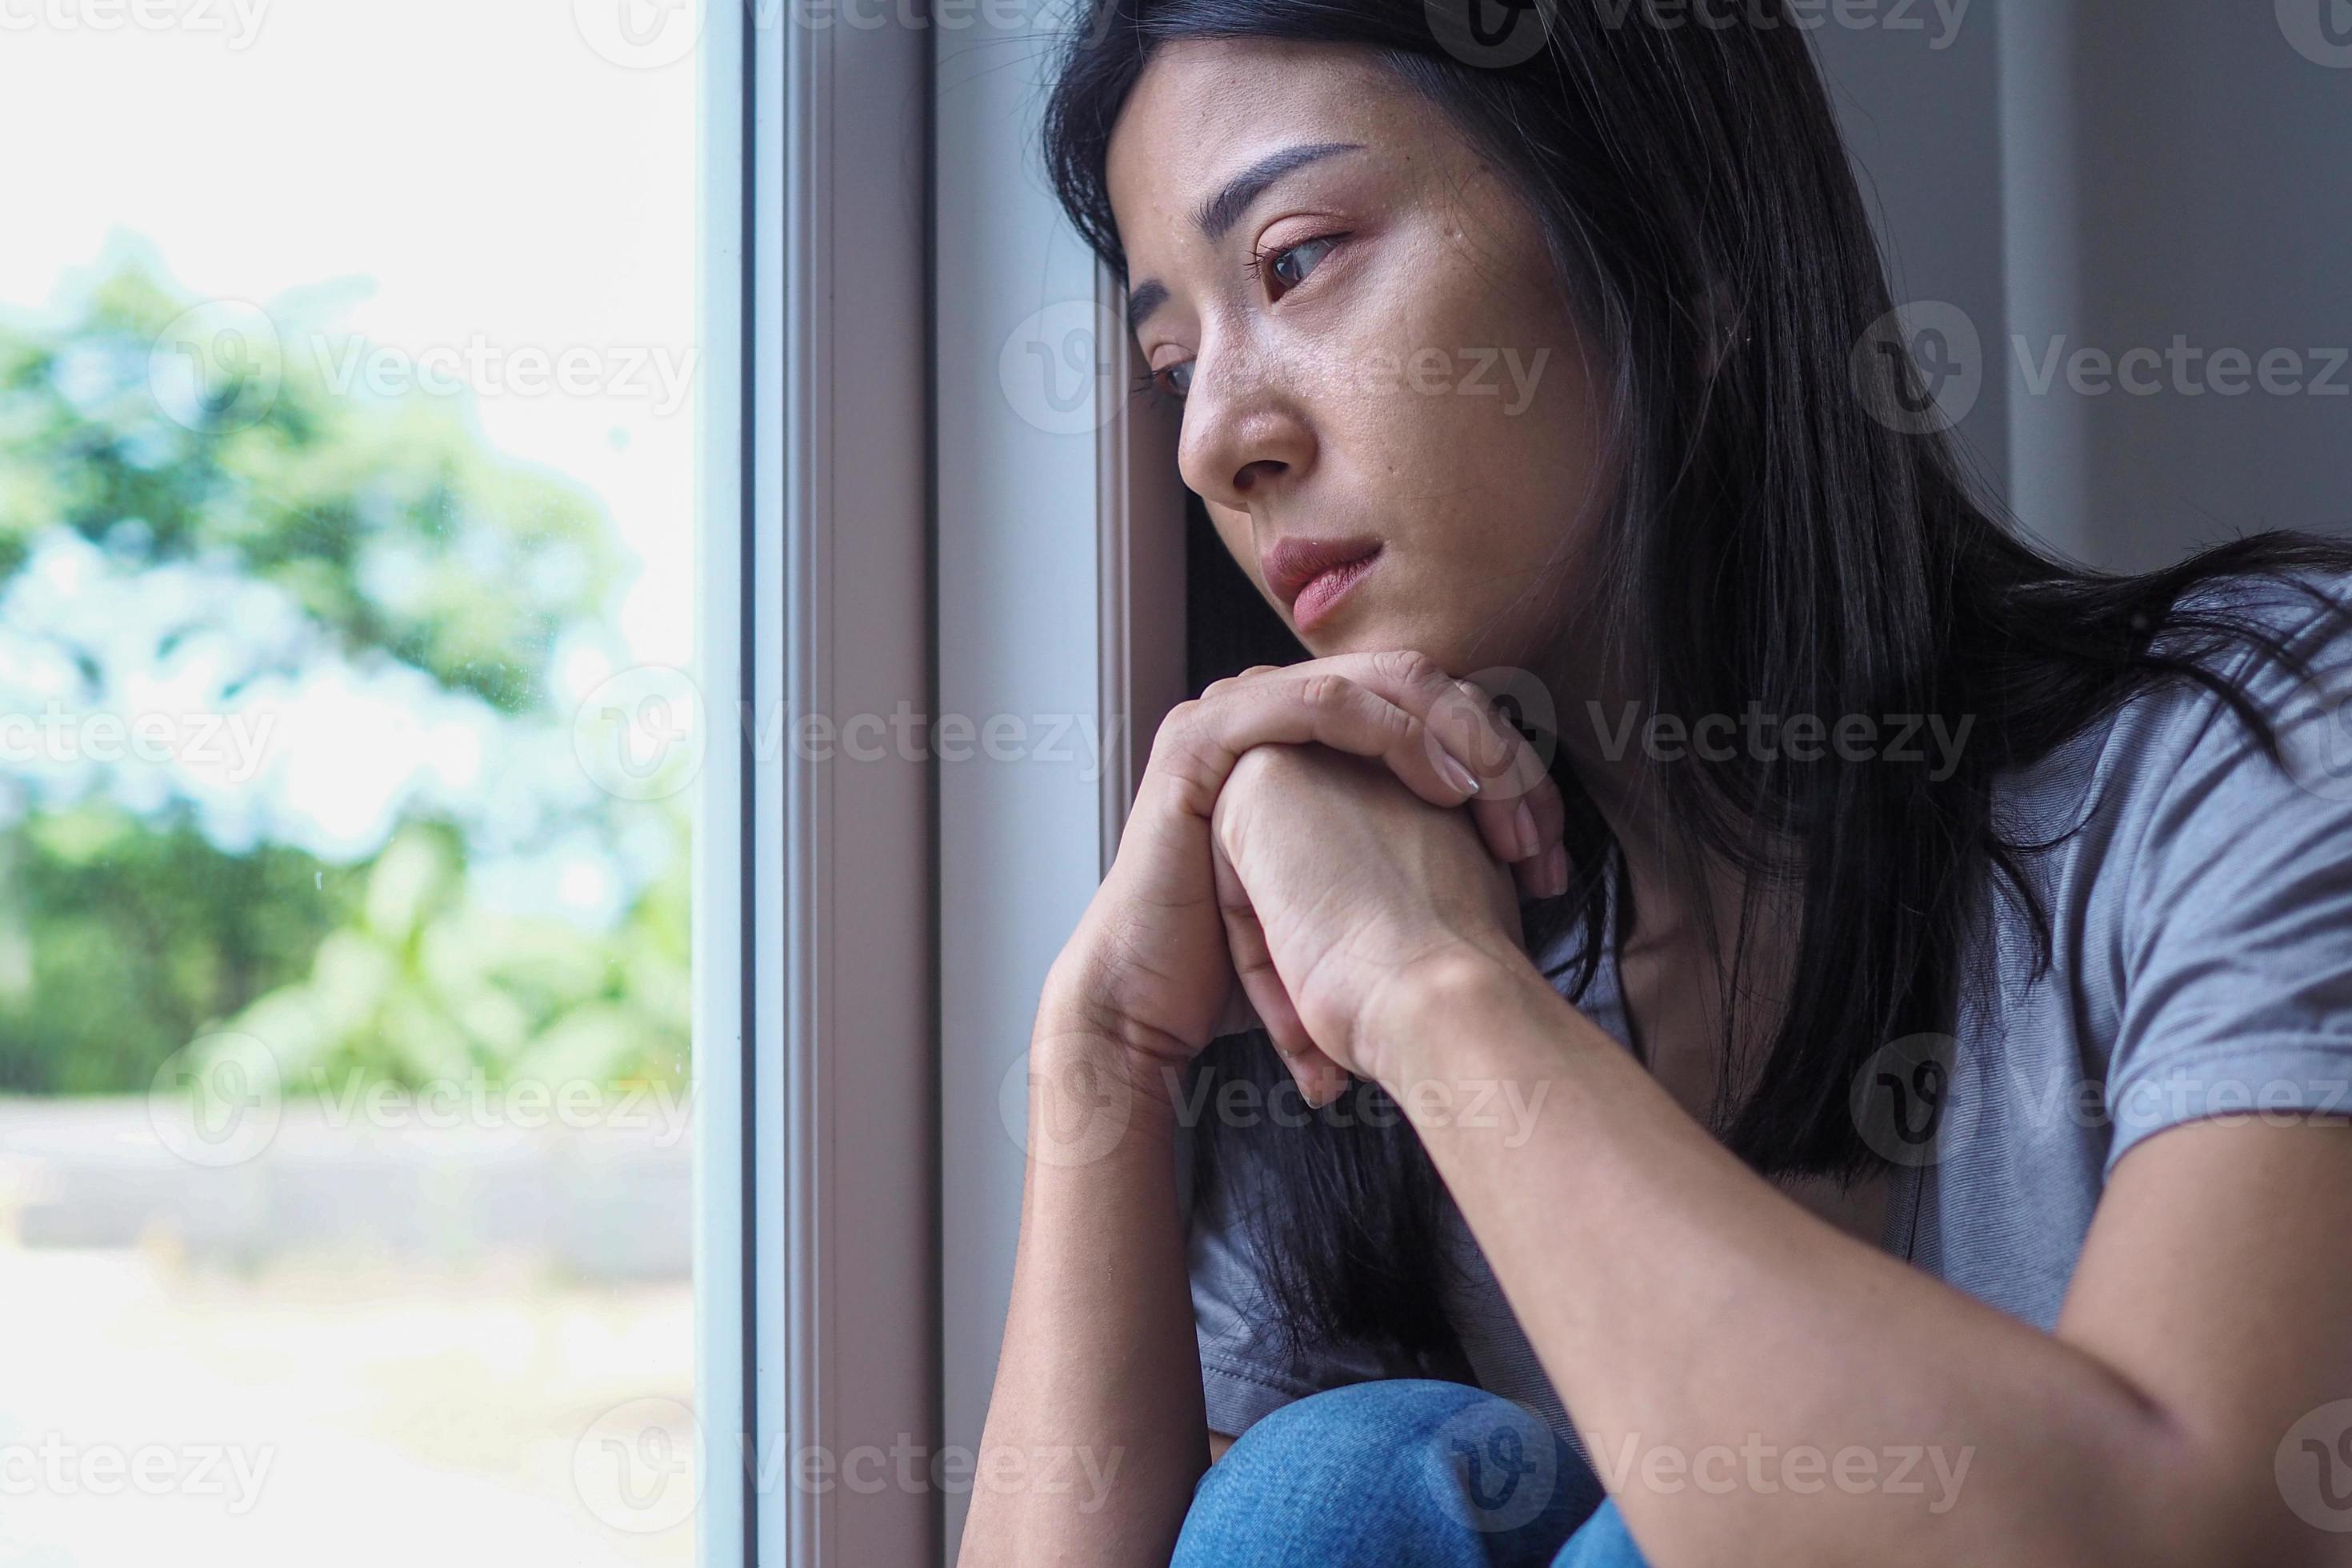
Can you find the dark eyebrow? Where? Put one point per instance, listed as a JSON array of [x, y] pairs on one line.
[[1216, 216], [1144, 299]]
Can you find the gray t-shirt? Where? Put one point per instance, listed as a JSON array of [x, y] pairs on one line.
[[2202, 965]]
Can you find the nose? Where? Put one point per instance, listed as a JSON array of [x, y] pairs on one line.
[[1244, 435]]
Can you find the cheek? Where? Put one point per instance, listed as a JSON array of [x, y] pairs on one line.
[[1234, 533], [1470, 374]]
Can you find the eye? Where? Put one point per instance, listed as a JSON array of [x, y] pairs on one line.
[[1289, 265], [1171, 381], [1284, 265]]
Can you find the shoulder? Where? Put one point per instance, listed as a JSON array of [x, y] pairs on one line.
[[2210, 890], [2272, 725]]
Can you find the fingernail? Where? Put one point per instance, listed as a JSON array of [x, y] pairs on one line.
[[1456, 774], [1523, 826], [1553, 879]]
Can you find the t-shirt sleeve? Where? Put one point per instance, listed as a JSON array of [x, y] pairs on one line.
[[1246, 1370], [2236, 925]]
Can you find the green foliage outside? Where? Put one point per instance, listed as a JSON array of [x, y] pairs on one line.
[[380, 533]]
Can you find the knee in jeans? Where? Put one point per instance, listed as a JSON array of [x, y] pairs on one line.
[[1361, 1425], [1467, 1452]]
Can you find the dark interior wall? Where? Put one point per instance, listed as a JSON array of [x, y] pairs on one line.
[[1228, 625]]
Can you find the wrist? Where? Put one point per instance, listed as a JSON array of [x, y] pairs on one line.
[[1078, 1043], [1436, 1015]]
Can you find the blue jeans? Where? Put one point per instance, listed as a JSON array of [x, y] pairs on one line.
[[1404, 1473]]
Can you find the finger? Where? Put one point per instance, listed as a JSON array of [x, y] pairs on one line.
[[1459, 720], [1321, 1080], [1299, 704], [1239, 1016], [1519, 802], [1545, 876], [1517, 805]]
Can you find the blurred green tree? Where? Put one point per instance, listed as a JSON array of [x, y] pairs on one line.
[[168, 437]]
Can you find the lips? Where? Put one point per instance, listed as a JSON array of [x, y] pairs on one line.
[[1292, 563]]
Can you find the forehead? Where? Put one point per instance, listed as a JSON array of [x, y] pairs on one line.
[[1204, 108]]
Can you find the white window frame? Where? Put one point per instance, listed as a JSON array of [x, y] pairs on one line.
[[1061, 556], [817, 1175]]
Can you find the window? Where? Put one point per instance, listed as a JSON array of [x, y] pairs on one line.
[[349, 388]]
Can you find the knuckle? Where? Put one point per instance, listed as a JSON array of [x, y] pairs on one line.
[[1325, 690], [1253, 763], [1407, 666], [1178, 730], [1181, 719]]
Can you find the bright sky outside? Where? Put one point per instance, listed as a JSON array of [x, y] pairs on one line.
[[479, 183]]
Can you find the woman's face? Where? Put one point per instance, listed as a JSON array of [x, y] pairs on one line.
[[1371, 345]]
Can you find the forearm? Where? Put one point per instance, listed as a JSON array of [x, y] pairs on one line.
[[1707, 1333], [1095, 1424]]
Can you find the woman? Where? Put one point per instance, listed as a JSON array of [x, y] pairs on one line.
[[1860, 1081]]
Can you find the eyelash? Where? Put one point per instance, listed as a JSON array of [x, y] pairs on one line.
[[1148, 385]]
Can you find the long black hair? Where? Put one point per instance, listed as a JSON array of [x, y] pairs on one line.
[[1786, 534]]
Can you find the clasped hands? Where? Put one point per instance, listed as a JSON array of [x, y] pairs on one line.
[[1298, 849]]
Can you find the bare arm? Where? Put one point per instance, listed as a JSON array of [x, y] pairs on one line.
[[2204, 1319], [1100, 1362], [1099, 1376]]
